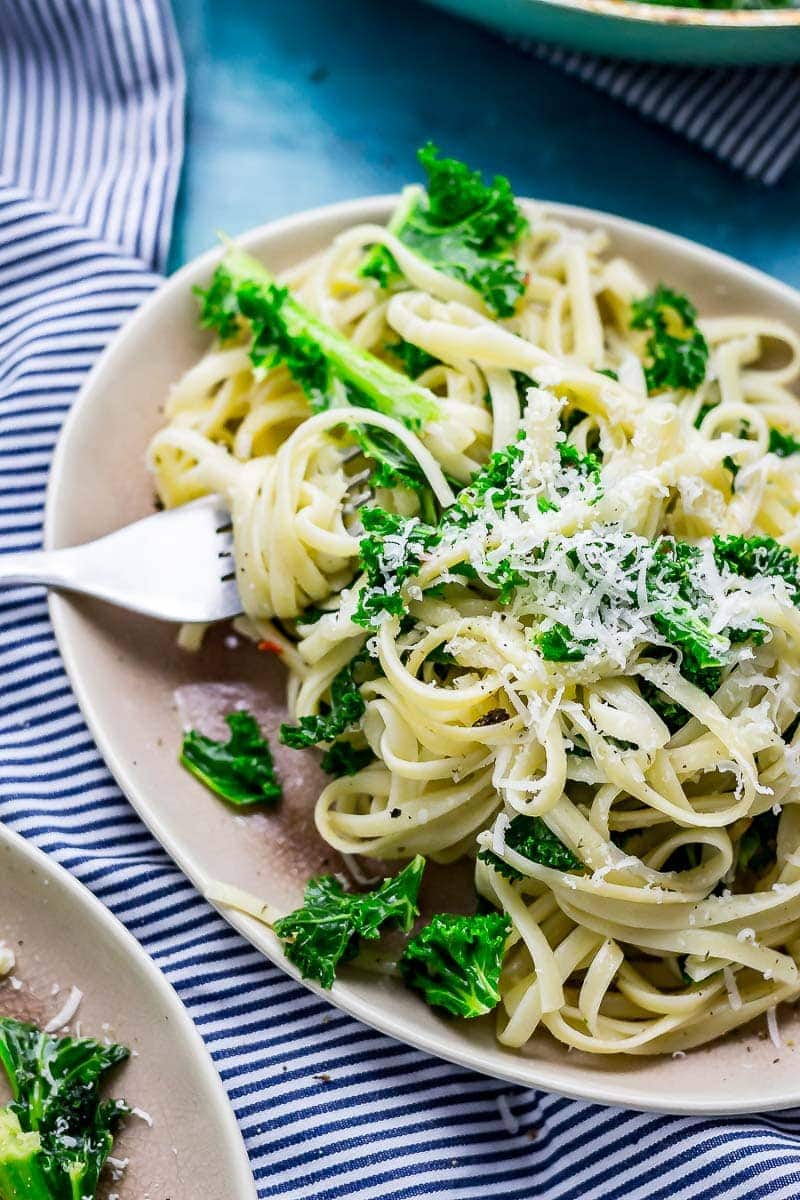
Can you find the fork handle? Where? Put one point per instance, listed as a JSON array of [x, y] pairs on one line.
[[50, 568]]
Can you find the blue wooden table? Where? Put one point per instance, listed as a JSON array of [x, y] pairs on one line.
[[295, 103]]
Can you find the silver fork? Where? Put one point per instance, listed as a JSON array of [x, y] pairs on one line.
[[175, 565]]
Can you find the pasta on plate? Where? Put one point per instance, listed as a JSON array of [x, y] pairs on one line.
[[525, 532]]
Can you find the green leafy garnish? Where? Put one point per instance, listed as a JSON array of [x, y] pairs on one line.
[[703, 412], [671, 579], [587, 465], [343, 758], [415, 360], [328, 928], [494, 482], [243, 295], [532, 838], [506, 578], [673, 715], [395, 467], [732, 467], [758, 846], [394, 546], [677, 350], [783, 444], [347, 706], [56, 1133], [464, 227], [441, 656], [557, 644], [759, 557], [240, 770], [390, 553], [455, 962]]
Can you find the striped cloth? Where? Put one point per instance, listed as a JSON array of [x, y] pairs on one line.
[[749, 117], [91, 96]]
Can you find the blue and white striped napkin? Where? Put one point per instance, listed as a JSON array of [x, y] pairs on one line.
[[91, 96], [749, 117]]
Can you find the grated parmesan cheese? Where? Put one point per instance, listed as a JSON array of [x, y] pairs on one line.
[[66, 1012], [118, 1167], [772, 1028]]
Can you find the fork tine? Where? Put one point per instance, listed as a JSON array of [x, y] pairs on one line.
[[353, 481], [356, 502]]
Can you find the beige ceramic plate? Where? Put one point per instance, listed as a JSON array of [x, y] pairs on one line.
[[63, 937], [125, 671]]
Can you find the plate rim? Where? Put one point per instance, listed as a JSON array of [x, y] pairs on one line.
[[676, 16], [528, 1073], [673, 16], [84, 900]]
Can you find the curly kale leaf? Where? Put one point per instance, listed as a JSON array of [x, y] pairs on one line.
[[415, 360], [673, 715], [244, 296], [394, 546], [395, 466], [455, 962], [677, 350], [588, 465], [495, 484], [759, 557], [533, 839], [343, 758], [328, 928], [346, 708], [783, 444], [672, 579], [464, 227], [557, 644], [56, 1133], [390, 553], [240, 770], [704, 653], [494, 481], [758, 846], [506, 578]]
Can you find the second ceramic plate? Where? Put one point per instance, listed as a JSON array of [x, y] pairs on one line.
[[626, 29], [187, 1145], [126, 672]]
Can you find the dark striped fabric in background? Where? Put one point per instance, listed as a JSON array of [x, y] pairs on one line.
[[748, 117], [91, 99]]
